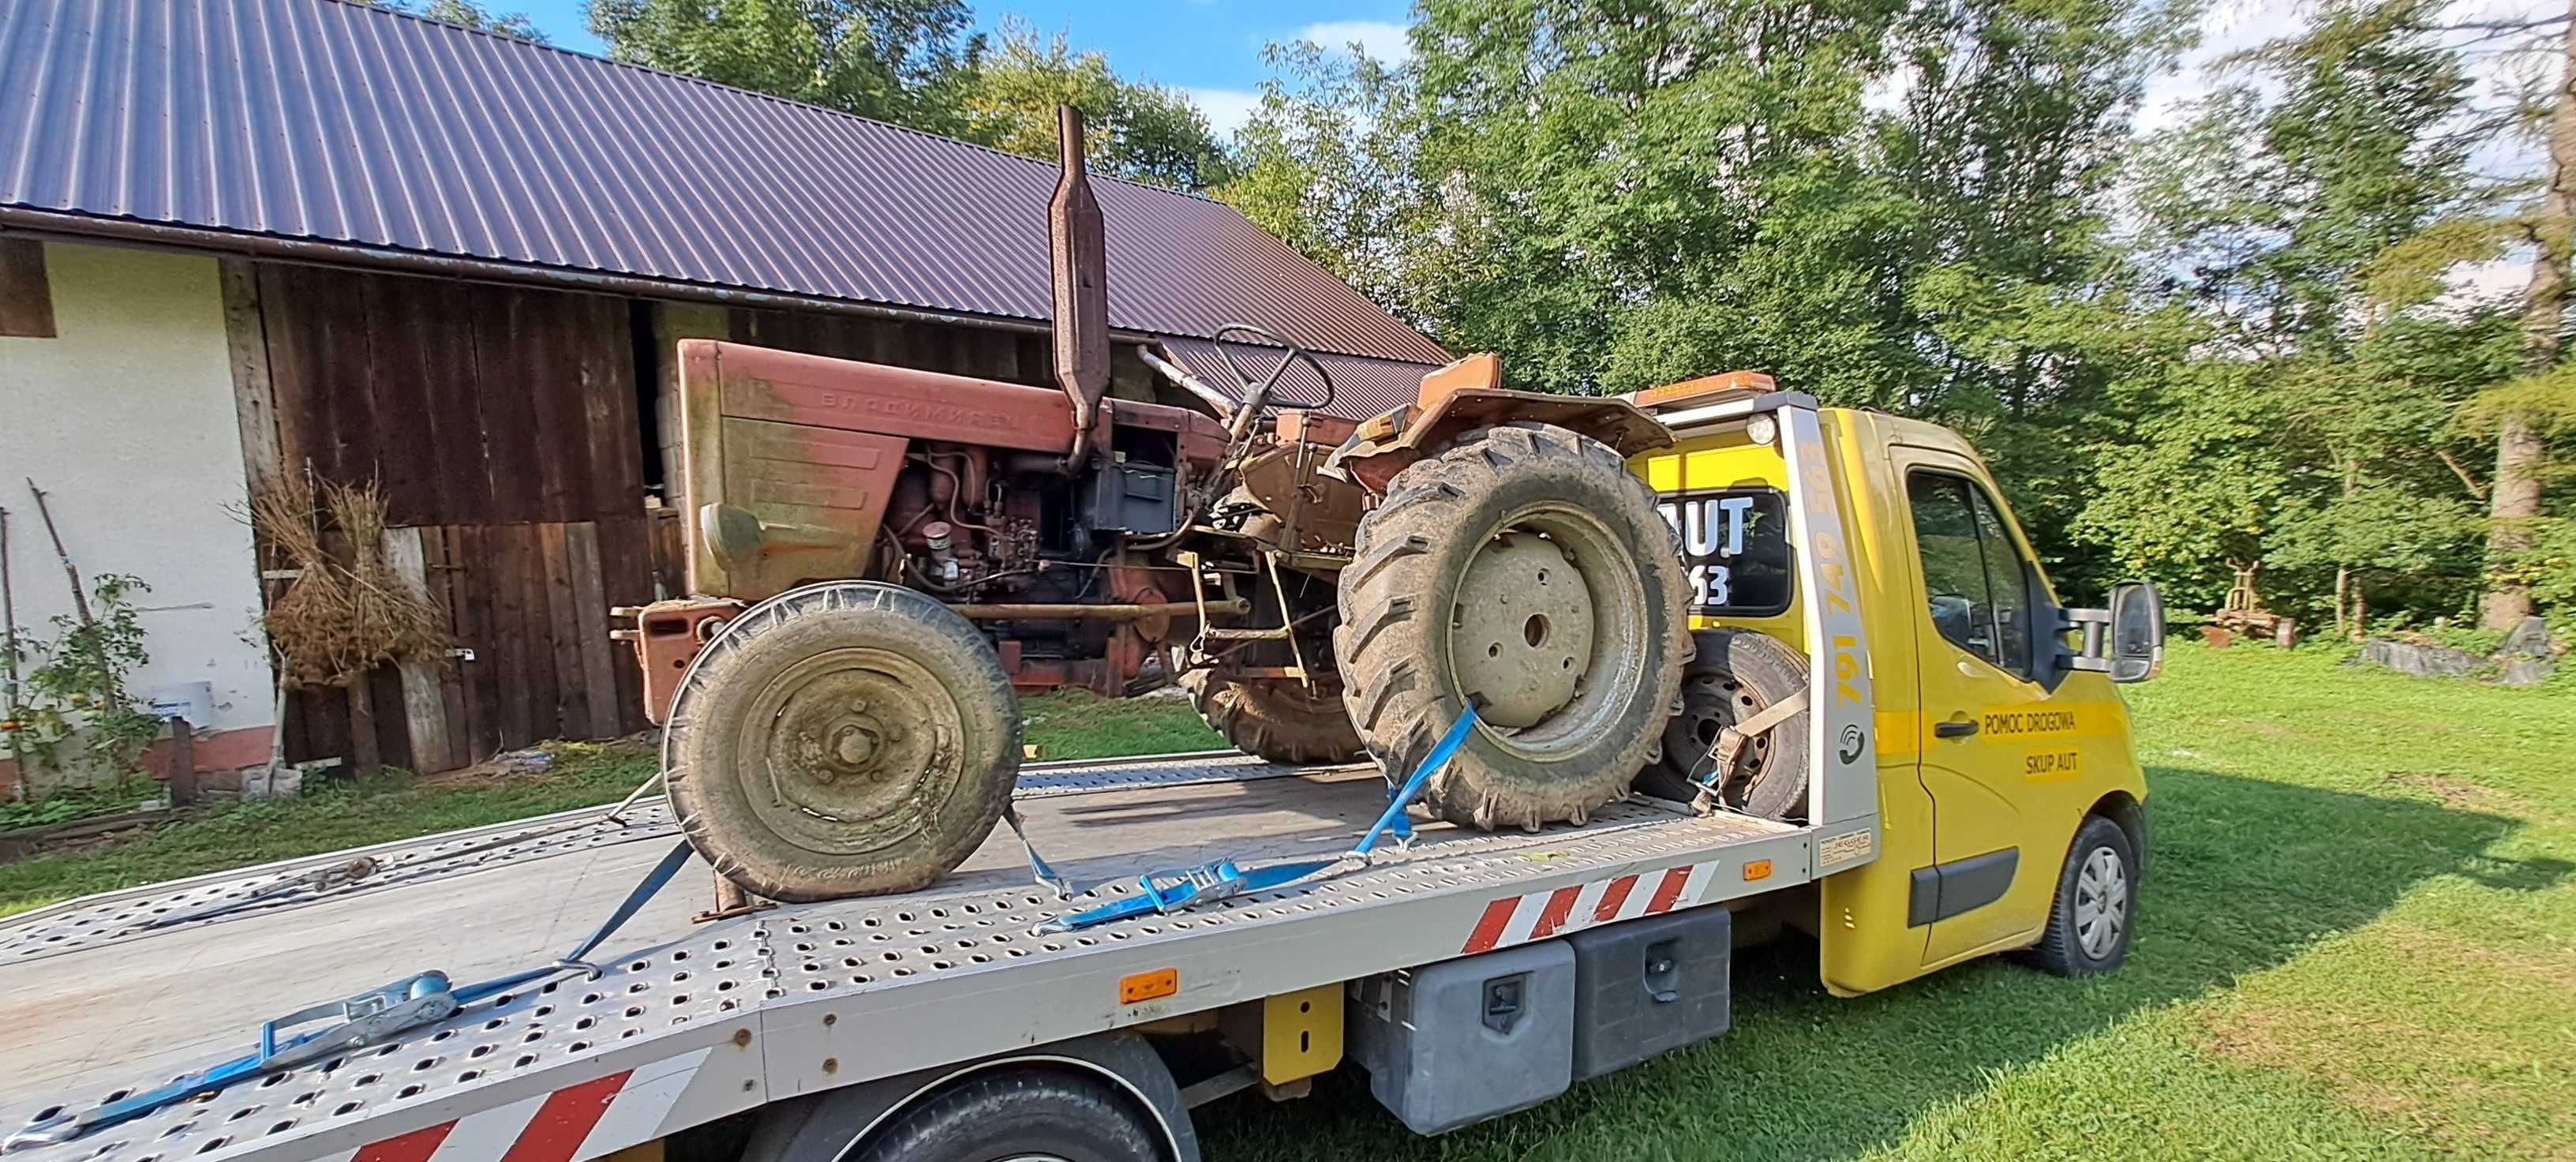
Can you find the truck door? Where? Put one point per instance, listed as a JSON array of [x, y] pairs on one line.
[[1984, 674]]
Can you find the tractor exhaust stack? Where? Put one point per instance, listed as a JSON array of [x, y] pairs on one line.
[[1079, 263]]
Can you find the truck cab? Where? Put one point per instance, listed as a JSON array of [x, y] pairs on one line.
[[1984, 708]]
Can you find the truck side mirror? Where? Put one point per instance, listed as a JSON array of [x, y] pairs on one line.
[[2126, 641], [2137, 631]]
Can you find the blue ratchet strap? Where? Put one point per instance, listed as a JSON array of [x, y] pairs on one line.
[[1394, 820], [369, 1017], [651, 885], [1164, 892], [1169, 891]]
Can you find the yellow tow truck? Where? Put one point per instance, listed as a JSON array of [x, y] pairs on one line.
[[2011, 813], [1894, 737]]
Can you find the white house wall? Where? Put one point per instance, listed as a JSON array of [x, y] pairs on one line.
[[127, 421]]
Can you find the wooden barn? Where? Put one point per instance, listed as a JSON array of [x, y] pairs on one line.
[[246, 240]]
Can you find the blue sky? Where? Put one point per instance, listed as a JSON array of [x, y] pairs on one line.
[[1209, 48]]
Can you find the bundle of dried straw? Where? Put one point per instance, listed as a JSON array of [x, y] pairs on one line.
[[346, 613]]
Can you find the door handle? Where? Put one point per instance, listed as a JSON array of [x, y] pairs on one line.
[[1955, 728]]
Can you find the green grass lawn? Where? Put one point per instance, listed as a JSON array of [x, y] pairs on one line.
[[2359, 941]]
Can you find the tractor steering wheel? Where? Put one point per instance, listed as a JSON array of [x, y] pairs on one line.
[[1256, 392]]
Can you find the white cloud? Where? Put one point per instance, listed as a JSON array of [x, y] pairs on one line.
[[2497, 280], [1226, 109], [1377, 38]]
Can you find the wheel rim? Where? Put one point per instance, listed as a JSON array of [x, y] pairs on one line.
[[2101, 902], [857, 748], [1541, 627], [1710, 704]]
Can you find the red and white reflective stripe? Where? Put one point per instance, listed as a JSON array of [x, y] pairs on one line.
[[583, 1120], [1539, 915]]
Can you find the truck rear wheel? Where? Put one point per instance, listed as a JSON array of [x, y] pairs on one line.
[[1057, 1115], [847, 739], [1278, 721], [1524, 570]]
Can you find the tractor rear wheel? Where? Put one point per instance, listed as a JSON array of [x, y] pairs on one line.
[[847, 739], [1278, 721], [1524, 570]]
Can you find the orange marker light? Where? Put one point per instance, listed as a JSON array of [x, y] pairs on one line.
[[1146, 986], [1759, 869], [1723, 383]]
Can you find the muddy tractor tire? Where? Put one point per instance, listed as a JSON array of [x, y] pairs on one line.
[[846, 739], [1278, 721], [1734, 675], [1522, 568]]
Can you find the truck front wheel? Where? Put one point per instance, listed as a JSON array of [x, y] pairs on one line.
[[2096, 910]]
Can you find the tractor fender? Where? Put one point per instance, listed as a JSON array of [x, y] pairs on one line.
[[1395, 439]]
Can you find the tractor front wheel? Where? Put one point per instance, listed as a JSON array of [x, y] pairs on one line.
[[1523, 570], [846, 739]]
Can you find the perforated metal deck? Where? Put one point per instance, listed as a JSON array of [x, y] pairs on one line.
[[110, 916], [705, 1020]]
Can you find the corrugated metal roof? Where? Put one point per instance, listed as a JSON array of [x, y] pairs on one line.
[[1361, 387], [319, 120]]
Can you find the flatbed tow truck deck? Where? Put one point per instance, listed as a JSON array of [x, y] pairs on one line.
[[957, 1022], [692, 1021]]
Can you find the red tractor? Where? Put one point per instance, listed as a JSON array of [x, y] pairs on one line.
[[875, 553]]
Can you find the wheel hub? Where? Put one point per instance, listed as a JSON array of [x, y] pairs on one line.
[[1710, 704], [860, 743], [2101, 902], [1521, 633], [857, 740]]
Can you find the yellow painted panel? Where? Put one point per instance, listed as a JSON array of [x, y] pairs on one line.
[[1301, 1033]]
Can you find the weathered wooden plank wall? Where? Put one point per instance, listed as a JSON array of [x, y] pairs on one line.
[[1011, 356], [469, 403], [530, 602], [500, 423]]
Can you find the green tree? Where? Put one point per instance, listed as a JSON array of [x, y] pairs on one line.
[[2265, 219], [1894, 205], [914, 63], [470, 14], [1636, 192], [1141, 132], [1326, 164], [894, 60]]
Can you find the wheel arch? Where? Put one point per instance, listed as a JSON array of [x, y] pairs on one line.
[[2130, 813], [829, 1126]]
